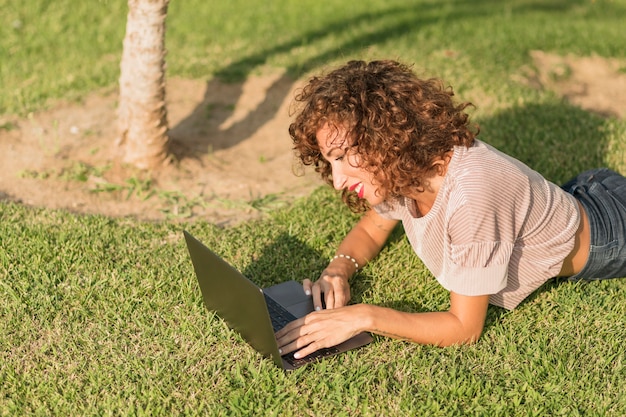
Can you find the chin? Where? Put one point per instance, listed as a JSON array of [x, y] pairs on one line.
[[374, 201]]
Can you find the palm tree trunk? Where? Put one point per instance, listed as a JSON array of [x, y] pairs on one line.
[[143, 127]]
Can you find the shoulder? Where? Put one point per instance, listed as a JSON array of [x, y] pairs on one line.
[[483, 171], [488, 190]]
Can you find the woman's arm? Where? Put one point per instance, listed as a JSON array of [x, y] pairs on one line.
[[462, 323], [362, 244]]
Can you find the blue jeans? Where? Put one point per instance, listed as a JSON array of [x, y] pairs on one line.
[[602, 193]]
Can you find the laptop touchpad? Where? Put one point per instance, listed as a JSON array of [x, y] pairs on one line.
[[290, 295]]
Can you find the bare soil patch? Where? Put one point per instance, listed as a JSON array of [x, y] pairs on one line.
[[234, 156], [593, 83]]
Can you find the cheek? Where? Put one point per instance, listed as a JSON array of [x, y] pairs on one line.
[[354, 160], [353, 164]]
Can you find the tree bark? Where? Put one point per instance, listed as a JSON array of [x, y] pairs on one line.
[[142, 114]]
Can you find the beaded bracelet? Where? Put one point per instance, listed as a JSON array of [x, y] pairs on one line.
[[350, 258]]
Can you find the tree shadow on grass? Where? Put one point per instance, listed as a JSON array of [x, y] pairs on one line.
[[197, 135], [285, 258], [558, 140], [288, 257]]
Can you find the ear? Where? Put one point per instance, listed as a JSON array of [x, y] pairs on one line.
[[440, 165]]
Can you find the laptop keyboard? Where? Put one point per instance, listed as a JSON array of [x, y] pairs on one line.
[[278, 314], [280, 317]]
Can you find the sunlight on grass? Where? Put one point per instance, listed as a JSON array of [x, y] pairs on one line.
[[103, 316]]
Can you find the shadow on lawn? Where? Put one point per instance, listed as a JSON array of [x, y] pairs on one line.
[[371, 28], [289, 258], [557, 140], [286, 258]]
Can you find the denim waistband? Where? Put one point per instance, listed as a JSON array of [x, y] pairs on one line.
[[602, 193]]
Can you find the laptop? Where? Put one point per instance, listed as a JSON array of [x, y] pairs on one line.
[[256, 313]]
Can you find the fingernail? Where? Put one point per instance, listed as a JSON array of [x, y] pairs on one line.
[[318, 308], [280, 351], [296, 355], [307, 292]]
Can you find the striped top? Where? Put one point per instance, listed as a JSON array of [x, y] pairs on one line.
[[497, 227]]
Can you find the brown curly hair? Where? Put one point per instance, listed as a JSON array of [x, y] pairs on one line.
[[397, 123]]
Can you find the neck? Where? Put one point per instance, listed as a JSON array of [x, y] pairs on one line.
[[426, 197]]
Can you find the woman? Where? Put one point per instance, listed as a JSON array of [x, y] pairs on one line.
[[490, 229]]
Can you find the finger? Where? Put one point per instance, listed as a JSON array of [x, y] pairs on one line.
[[330, 299], [294, 325], [306, 285], [287, 344], [293, 341], [299, 344], [340, 299], [287, 348], [317, 296], [310, 347], [305, 351]]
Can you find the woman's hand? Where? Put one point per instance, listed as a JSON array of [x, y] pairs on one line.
[[333, 284], [363, 242], [321, 329], [462, 324]]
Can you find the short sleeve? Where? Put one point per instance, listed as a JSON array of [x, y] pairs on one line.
[[477, 268]]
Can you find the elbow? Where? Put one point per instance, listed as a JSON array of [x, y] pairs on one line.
[[472, 335], [467, 318], [473, 339], [463, 338], [461, 341]]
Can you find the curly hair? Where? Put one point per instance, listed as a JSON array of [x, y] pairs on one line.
[[398, 124]]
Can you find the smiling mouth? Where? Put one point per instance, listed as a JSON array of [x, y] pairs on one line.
[[358, 189]]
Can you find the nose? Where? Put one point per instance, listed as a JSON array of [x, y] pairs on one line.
[[339, 179]]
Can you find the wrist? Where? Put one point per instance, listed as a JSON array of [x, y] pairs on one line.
[[366, 317], [346, 259]]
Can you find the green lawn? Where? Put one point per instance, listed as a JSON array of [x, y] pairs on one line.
[[103, 316]]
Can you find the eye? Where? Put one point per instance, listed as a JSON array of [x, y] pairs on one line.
[[341, 157]]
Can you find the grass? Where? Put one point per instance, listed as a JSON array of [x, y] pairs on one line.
[[103, 316], [52, 50]]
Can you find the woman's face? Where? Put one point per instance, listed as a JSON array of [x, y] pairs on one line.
[[344, 162]]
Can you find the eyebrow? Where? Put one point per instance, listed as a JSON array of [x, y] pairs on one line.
[[343, 150], [331, 151], [338, 146]]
